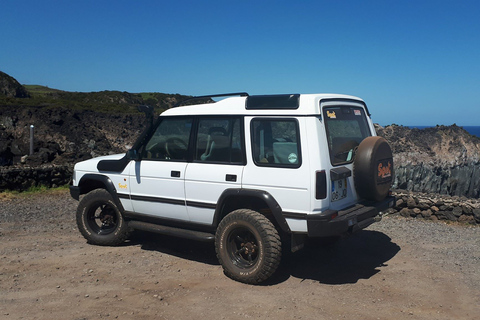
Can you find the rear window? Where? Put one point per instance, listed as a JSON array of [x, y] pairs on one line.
[[346, 127]]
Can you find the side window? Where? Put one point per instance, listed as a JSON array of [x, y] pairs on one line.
[[276, 142], [169, 141], [219, 140]]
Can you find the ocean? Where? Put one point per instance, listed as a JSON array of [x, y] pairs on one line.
[[473, 130]]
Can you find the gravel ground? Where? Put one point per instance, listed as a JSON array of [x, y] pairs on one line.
[[396, 268]]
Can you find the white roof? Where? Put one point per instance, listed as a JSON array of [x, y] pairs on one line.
[[309, 104]]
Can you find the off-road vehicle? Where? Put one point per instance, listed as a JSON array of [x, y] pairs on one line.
[[256, 175]]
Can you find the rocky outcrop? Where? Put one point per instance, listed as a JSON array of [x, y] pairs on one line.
[[10, 87], [63, 136], [443, 160]]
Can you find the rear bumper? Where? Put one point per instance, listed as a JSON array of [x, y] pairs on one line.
[[333, 223]]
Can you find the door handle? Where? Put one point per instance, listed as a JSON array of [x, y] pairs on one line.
[[231, 177], [175, 174]]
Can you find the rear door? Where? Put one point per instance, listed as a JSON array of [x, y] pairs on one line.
[[217, 165], [346, 125]]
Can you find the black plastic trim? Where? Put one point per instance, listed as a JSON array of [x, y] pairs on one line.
[[340, 173], [187, 225], [75, 192], [172, 231], [201, 205], [294, 215], [260, 194], [123, 196], [113, 165], [333, 223], [157, 199], [103, 180]]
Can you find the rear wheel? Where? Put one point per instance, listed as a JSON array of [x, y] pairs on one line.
[[248, 246], [99, 219]]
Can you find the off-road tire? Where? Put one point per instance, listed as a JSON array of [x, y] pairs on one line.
[[99, 219], [373, 169], [248, 246]]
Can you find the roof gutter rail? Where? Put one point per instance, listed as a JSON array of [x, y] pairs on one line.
[[241, 94]]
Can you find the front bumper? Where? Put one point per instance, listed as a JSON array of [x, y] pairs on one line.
[[334, 223], [75, 192]]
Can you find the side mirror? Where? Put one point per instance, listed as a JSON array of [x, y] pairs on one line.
[[133, 154]]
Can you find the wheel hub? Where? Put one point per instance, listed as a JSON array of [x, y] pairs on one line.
[[248, 247]]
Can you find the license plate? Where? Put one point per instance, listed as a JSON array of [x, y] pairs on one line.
[[339, 189]]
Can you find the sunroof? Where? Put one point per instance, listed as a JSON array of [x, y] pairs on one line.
[[277, 101]]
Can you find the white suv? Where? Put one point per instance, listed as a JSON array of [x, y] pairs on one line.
[[257, 175]]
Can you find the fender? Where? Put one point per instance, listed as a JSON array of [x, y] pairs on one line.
[[94, 180], [251, 193]]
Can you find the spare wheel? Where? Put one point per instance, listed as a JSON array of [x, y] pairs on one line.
[[373, 168]]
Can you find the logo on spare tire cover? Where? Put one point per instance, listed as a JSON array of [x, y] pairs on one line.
[[384, 171]]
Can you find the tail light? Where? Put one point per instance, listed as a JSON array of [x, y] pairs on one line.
[[321, 185]]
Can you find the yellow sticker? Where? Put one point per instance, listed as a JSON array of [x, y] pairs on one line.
[[122, 186], [331, 114]]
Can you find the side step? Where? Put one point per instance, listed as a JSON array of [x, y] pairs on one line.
[[172, 231]]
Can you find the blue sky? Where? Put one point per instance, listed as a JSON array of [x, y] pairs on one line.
[[413, 62]]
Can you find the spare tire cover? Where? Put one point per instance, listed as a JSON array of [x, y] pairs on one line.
[[373, 168]]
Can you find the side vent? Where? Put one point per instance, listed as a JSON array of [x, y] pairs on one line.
[[321, 185]]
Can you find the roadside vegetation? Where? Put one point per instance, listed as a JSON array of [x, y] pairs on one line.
[[33, 191], [102, 101]]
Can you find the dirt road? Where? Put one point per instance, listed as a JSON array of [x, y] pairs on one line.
[[396, 269]]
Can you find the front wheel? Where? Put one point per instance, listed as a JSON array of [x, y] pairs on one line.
[[248, 246], [99, 219]]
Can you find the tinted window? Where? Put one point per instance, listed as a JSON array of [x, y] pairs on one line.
[[346, 127], [219, 140], [280, 101], [276, 142], [170, 140]]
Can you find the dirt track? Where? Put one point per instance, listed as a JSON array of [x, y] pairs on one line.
[[396, 269]]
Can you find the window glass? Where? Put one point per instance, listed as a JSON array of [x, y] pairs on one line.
[[346, 127], [219, 140], [170, 140], [276, 142]]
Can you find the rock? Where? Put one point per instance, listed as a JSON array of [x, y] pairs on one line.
[[400, 203], [411, 203], [405, 212], [467, 210], [426, 213], [466, 219], [476, 215], [457, 211]]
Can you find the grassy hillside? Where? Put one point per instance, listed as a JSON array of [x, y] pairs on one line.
[[102, 101]]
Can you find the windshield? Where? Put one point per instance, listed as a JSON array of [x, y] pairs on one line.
[[346, 127]]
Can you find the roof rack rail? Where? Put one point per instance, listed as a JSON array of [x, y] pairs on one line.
[[241, 94]]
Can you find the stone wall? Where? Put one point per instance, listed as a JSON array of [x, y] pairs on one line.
[[23, 178], [436, 207]]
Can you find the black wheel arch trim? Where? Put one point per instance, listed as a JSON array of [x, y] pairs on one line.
[[272, 204], [106, 182]]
